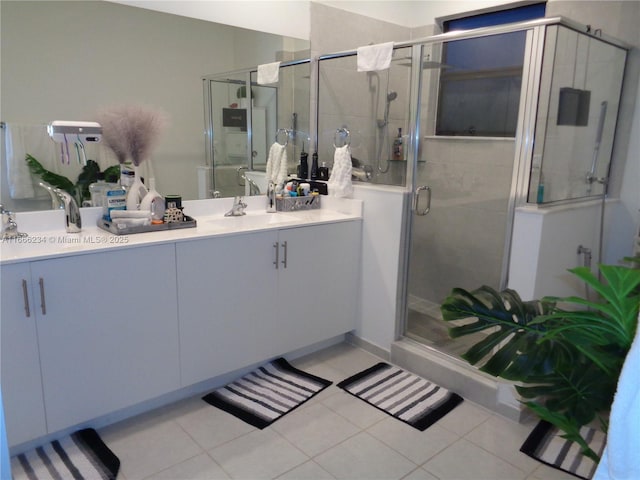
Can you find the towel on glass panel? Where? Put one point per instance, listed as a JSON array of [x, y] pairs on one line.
[[339, 184]]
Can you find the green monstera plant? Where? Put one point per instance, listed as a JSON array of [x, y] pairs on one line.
[[565, 354], [80, 189]]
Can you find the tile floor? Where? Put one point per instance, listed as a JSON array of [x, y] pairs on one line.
[[334, 435]]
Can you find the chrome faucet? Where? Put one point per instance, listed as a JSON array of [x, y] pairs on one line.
[[56, 201], [61, 199], [237, 209], [9, 225], [73, 222]]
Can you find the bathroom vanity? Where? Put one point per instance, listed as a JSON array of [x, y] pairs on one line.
[[99, 323]]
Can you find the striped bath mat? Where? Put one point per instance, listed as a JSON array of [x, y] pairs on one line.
[[546, 445], [81, 455], [264, 395], [402, 395]]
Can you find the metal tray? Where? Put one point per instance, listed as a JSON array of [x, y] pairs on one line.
[[293, 204], [110, 226]]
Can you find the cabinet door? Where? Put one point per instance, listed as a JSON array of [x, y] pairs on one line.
[[20, 363], [227, 294], [109, 333], [318, 290]]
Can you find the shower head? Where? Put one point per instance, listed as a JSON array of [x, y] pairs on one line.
[[391, 96]]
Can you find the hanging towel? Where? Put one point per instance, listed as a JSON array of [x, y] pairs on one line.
[[277, 166], [375, 57], [18, 141], [268, 73], [339, 184], [620, 459]]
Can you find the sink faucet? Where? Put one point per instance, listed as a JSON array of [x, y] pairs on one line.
[[9, 225], [56, 201], [73, 223], [237, 209], [62, 199]]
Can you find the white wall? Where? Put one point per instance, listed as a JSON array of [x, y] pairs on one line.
[[66, 60]]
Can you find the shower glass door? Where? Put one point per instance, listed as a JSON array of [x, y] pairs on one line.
[[463, 177]]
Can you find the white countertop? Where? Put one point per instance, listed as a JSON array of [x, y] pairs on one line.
[[47, 237]]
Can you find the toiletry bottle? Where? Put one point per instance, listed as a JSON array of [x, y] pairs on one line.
[[314, 166], [540, 196], [115, 198], [97, 190], [398, 147], [323, 172], [127, 174], [303, 172], [153, 202]]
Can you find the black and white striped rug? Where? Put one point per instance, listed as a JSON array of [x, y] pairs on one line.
[[264, 395], [402, 394], [81, 455], [546, 445]]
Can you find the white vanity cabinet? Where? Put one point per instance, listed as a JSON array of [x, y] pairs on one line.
[[317, 291], [237, 306], [20, 361], [226, 296], [102, 334], [108, 332]]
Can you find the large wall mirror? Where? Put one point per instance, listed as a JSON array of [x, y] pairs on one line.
[[244, 118], [67, 60]]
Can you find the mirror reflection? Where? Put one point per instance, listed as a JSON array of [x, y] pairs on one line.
[[68, 60], [244, 119]]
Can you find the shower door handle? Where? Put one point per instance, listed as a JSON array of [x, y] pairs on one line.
[[416, 200]]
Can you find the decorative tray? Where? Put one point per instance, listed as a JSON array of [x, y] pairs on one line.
[[113, 227]]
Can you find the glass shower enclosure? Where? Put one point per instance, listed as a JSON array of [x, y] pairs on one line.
[[490, 119], [498, 89], [242, 119]]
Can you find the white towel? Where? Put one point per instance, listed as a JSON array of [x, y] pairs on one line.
[[18, 141], [375, 57], [268, 73], [339, 184], [277, 168], [620, 459]]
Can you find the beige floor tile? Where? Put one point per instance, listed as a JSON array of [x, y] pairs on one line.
[[209, 426], [464, 418], [420, 474], [307, 471], [353, 409], [314, 429], [364, 457], [258, 455], [201, 467], [503, 438], [147, 446], [417, 446], [466, 461]]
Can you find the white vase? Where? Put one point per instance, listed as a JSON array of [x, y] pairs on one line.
[[137, 191]]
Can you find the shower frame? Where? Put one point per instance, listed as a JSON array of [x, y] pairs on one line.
[[522, 162], [233, 77]]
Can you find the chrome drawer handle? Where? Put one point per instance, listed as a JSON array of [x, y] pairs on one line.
[[277, 247], [43, 303], [25, 295]]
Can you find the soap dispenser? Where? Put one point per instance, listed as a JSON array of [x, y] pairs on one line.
[[303, 169]]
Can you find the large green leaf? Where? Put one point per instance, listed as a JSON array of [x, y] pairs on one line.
[[568, 360], [513, 350], [53, 179]]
